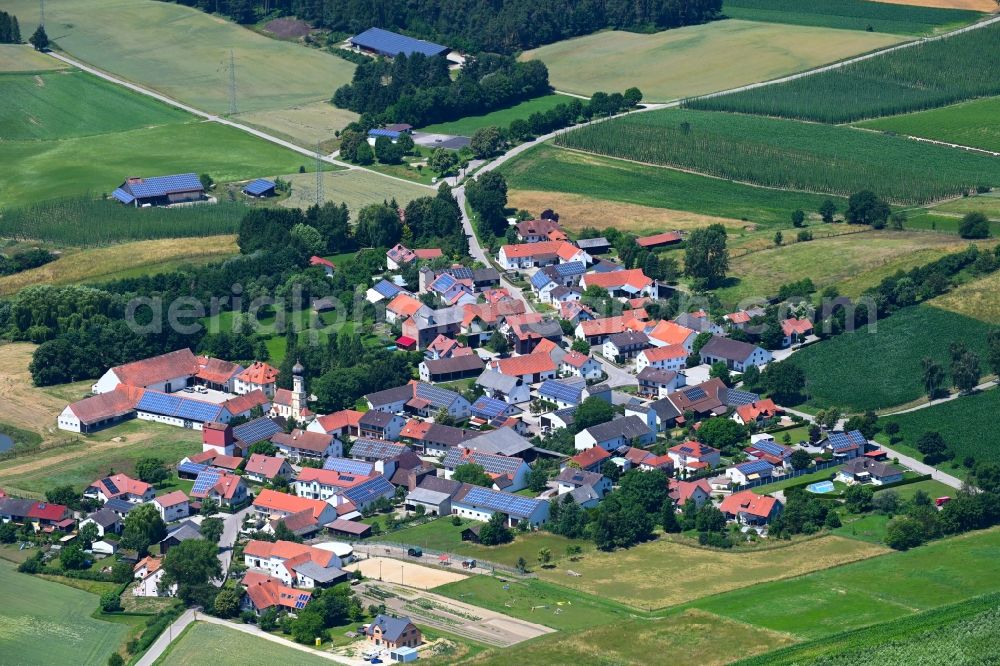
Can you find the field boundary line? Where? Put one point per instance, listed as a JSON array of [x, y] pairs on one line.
[[958, 146], [166, 99]]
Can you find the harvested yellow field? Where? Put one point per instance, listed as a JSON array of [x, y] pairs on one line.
[[127, 259], [975, 5], [355, 187], [640, 576], [976, 299], [302, 124], [21, 404], [577, 211]]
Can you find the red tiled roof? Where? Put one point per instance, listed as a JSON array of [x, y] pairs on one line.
[[225, 487], [275, 501], [530, 364], [244, 403], [765, 408], [404, 305], [329, 477], [415, 429], [46, 511], [634, 278], [124, 484], [561, 249], [320, 261], [681, 491], [611, 325], [171, 499], [671, 333], [108, 405], [259, 373], [796, 326], [693, 449], [589, 457], [227, 462], [266, 466], [740, 317], [303, 439], [748, 502], [287, 550], [179, 363], [658, 239], [270, 593], [151, 563], [575, 359], [215, 370], [663, 353], [342, 420], [490, 313], [428, 253]]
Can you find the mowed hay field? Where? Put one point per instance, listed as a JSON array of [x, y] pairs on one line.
[[119, 261], [577, 211], [851, 15], [635, 576], [696, 60], [975, 124], [204, 644], [987, 204], [355, 187], [42, 622], [692, 638], [760, 274], [862, 593], [21, 403], [23, 58], [553, 169], [184, 53], [879, 367], [976, 299]]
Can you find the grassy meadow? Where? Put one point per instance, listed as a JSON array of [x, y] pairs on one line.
[[850, 15], [772, 152], [696, 60], [964, 423], [184, 53], [880, 368], [46, 623], [927, 75], [550, 168], [23, 58], [499, 118], [988, 204], [975, 124], [354, 187], [204, 644], [976, 299]]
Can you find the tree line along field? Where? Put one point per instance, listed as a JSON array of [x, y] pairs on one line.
[[549, 168], [774, 152], [184, 53], [880, 368], [925, 75], [966, 424], [851, 15], [699, 59], [975, 124]]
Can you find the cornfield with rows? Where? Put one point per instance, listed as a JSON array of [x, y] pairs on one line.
[[89, 222], [789, 154], [923, 76]]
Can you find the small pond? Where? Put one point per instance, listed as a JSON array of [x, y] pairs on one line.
[[6, 443]]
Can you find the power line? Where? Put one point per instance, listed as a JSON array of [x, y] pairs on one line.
[[41, 13], [319, 176], [232, 83]]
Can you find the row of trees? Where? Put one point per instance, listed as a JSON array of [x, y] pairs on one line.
[[22, 261], [477, 25], [10, 29]]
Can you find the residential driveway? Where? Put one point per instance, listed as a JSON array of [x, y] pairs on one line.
[[231, 527], [456, 617], [923, 468], [698, 374]]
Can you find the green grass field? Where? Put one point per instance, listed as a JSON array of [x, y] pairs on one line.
[[965, 633], [975, 124], [928, 75], [772, 152], [861, 258], [184, 53], [204, 644], [976, 299], [963, 423], [549, 168], [877, 369], [500, 118], [49, 106], [876, 590], [696, 60], [354, 187], [23, 58], [48, 623], [987, 204], [850, 15]]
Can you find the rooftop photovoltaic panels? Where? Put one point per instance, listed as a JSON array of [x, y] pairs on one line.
[[559, 391], [770, 447], [513, 505], [488, 408], [110, 485], [159, 186], [461, 273], [570, 268], [208, 478], [393, 44], [444, 282], [755, 467], [259, 186], [438, 397], [123, 196], [348, 466], [386, 288], [369, 491], [846, 440], [491, 463], [376, 448], [540, 279], [189, 467], [182, 408], [695, 393], [736, 398], [257, 430]]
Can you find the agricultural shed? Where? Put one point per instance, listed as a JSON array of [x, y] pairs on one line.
[[391, 44], [260, 188]]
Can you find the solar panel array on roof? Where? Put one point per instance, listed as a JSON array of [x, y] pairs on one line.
[[513, 505], [847, 440], [493, 464], [159, 186], [259, 186], [383, 132], [770, 447], [738, 398], [348, 466], [393, 44], [386, 288], [110, 485], [367, 492], [461, 273], [183, 408], [188, 467], [755, 467], [488, 408], [123, 196], [540, 279], [256, 430], [376, 448], [444, 282], [551, 388], [435, 395], [695, 393], [570, 268], [206, 479]]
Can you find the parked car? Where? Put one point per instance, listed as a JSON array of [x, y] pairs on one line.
[[414, 552]]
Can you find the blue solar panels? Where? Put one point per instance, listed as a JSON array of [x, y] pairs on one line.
[[189, 467], [493, 464], [461, 273], [737, 398], [205, 481], [365, 493], [160, 186], [123, 196], [444, 282], [438, 397], [540, 279], [376, 449], [570, 268], [755, 467], [769, 447], [383, 132], [183, 408], [392, 43], [194, 410], [513, 505], [257, 430], [696, 393], [348, 466], [840, 441], [488, 408], [386, 289], [110, 485], [259, 187], [560, 392]]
